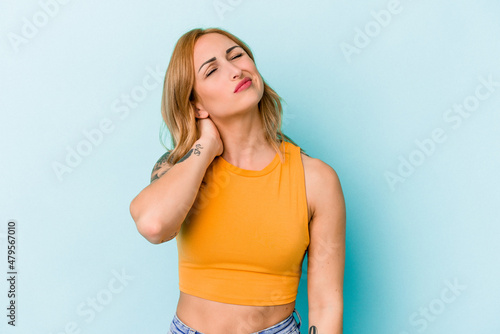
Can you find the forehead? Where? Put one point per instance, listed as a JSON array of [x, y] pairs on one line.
[[211, 45]]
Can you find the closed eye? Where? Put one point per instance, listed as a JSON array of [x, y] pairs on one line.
[[213, 70]]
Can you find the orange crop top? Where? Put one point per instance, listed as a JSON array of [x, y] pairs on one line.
[[245, 238]]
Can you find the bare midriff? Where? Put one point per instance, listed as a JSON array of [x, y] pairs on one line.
[[211, 317]]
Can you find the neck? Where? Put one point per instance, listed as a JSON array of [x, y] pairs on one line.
[[243, 137]]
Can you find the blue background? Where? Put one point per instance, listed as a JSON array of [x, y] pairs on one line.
[[362, 112]]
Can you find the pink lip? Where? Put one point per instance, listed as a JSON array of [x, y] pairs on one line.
[[243, 84]]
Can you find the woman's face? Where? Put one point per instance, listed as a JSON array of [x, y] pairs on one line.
[[220, 65]]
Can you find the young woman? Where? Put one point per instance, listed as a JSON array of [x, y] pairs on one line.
[[242, 200]]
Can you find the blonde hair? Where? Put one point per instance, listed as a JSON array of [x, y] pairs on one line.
[[177, 110]]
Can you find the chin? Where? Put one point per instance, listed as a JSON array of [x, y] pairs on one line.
[[250, 103]]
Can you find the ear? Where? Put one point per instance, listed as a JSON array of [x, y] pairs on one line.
[[199, 111]]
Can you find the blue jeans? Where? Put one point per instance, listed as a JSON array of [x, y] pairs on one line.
[[287, 326]]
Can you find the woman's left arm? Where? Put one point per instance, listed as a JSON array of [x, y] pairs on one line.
[[326, 253]]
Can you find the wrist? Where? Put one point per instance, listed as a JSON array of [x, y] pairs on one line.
[[205, 145]]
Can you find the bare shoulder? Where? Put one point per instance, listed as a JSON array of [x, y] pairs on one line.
[[317, 170], [322, 183], [161, 167]]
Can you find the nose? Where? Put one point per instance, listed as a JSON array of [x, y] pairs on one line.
[[234, 71]]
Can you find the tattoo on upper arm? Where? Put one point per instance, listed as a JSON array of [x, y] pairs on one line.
[[163, 160], [156, 174]]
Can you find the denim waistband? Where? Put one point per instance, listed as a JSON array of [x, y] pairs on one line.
[[177, 326]]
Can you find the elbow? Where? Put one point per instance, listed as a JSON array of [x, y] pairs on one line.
[[150, 231], [149, 228]]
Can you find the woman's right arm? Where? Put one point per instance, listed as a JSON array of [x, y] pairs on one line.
[[160, 209]]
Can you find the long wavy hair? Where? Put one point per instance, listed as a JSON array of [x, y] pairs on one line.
[[178, 112]]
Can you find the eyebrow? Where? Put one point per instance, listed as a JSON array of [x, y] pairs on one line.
[[213, 59]]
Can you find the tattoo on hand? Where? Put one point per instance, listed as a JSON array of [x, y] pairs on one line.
[[197, 149]]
